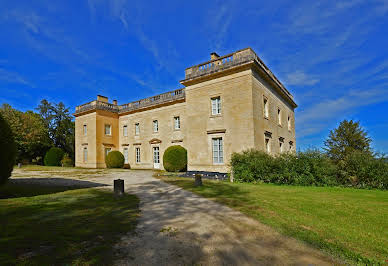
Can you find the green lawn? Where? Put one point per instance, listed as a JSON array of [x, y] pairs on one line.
[[72, 227], [348, 223]]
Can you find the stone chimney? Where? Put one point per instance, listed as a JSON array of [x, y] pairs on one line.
[[114, 102], [102, 98], [213, 56]]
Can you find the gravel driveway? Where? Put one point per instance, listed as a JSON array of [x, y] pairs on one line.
[[178, 227]]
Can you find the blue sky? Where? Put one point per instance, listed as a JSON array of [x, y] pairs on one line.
[[332, 55]]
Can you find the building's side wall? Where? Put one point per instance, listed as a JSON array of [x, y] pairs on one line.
[[105, 141], [236, 120], [262, 89], [85, 141], [166, 133]]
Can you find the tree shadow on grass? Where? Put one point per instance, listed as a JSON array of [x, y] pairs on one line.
[[74, 227], [30, 187]]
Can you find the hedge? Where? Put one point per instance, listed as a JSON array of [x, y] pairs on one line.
[[310, 168], [175, 159], [53, 157]]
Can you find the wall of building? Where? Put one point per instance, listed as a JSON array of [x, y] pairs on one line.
[[235, 120], [88, 140], [261, 90], [166, 136]]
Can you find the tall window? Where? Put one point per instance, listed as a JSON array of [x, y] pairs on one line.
[[125, 155], [107, 150], [291, 145], [85, 130], [156, 126], [125, 130], [108, 130], [137, 155], [177, 122], [267, 145], [280, 146], [137, 129], [85, 154], [218, 150], [289, 123], [279, 117], [266, 110], [216, 105]]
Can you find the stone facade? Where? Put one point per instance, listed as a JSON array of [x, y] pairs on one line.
[[229, 104]]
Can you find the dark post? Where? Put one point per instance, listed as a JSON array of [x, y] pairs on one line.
[[198, 180], [118, 185]]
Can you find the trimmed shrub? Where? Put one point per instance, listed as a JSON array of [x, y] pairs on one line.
[[175, 159], [114, 159], [304, 168], [311, 168], [53, 157], [66, 161], [8, 150]]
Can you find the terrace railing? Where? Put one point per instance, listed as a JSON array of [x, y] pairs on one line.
[[147, 102], [231, 60]]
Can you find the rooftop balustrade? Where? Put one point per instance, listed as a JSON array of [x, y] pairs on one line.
[[132, 106], [228, 61]]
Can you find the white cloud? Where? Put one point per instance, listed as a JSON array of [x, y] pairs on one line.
[[13, 77], [300, 78], [315, 118]]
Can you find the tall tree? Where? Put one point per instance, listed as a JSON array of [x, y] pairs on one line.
[[348, 137], [60, 126]]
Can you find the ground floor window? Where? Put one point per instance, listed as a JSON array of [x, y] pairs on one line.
[[107, 150], [125, 155], [156, 155], [137, 155], [218, 150], [267, 145], [85, 154]]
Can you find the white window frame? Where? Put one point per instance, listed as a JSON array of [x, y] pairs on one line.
[[137, 155], [85, 130], [267, 143], [281, 146], [125, 153], [85, 154], [125, 131], [155, 125], [279, 116], [266, 107], [289, 123], [110, 129], [218, 150], [216, 105], [137, 129], [177, 122], [107, 151]]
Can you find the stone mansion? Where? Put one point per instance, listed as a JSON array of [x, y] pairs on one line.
[[228, 104]]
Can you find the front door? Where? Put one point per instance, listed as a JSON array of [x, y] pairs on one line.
[[156, 157]]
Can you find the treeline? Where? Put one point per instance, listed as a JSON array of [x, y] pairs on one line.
[[51, 125], [346, 160]]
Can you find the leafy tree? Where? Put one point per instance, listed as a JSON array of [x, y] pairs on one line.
[[8, 153], [30, 132], [61, 128], [346, 139]]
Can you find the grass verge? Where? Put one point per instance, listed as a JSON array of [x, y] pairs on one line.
[[348, 223], [73, 227]]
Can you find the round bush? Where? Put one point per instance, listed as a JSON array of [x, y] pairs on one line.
[[114, 159], [8, 153], [53, 157], [175, 159]]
